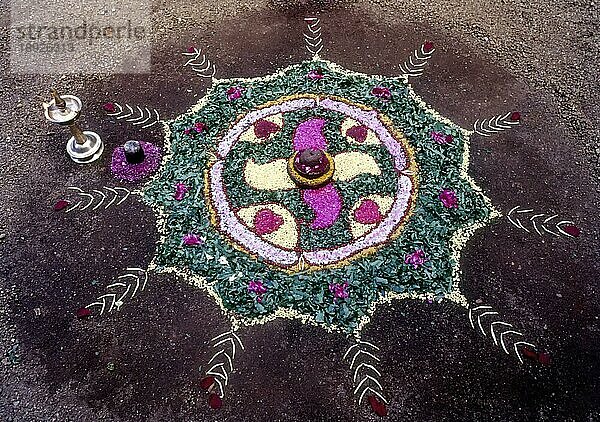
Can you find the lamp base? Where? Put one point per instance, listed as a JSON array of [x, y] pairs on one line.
[[87, 152]]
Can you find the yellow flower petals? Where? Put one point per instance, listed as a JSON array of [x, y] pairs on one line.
[[269, 176], [348, 165]]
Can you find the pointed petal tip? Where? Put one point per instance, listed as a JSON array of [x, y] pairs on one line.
[[61, 205], [83, 313], [214, 401], [377, 406], [428, 47]]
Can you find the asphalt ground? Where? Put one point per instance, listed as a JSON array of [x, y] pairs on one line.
[[142, 362]]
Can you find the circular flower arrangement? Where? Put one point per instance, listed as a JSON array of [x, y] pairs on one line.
[[315, 197]]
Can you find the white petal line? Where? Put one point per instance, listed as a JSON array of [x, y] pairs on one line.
[[532, 219], [120, 300], [238, 339], [502, 340], [367, 366], [90, 201], [97, 304], [363, 381], [101, 201], [220, 387], [348, 351], [73, 207], [475, 309], [479, 320], [369, 344], [492, 329], [220, 335], [232, 344], [116, 113], [114, 197], [365, 353], [126, 115], [374, 392], [125, 197], [111, 295], [517, 351]]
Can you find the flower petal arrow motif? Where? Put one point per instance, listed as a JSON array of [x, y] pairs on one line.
[[136, 115], [95, 200], [204, 67], [415, 65], [541, 223], [313, 40]]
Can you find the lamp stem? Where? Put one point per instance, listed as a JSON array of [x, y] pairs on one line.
[[77, 133]]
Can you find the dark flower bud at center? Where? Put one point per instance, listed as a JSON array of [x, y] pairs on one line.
[[134, 153], [311, 163]]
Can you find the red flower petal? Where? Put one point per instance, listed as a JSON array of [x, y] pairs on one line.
[[368, 212], [530, 353], [515, 116], [264, 128], [83, 313], [214, 401], [382, 92], [266, 222], [234, 92], [358, 133], [572, 230], [377, 406], [61, 205], [207, 382], [199, 127], [544, 358], [315, 74], [191, 49], [428, 46], [109, 107]]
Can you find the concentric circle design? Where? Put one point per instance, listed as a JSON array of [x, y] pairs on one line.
[[389, 223], [227, 221]]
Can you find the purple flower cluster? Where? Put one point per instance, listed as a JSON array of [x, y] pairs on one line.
[[257, 287], [180, 191], [448, 198], [192, 239], [416, 259], [441, 138], [340, 291], [123, 170]]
